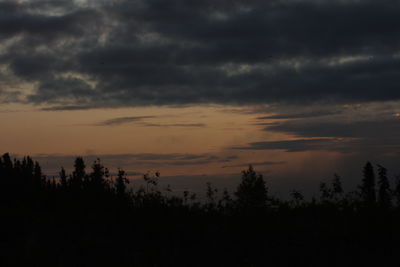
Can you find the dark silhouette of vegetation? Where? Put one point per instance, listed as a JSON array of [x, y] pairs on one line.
[[252, 191], [334, 194], [396, 192], [120, 184], [368, 193], [90, 218], [384, 194]]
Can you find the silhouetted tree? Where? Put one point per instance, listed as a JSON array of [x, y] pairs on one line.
[[185, 197], [38, 177], [334, 193], [396, 192], [298, 198], [120, 183], [211, 196], [97, 177], [28, 169], [55, 227], [7, 162], [326, 193], [252, 191], [368, 193], [337, 188], [226, 201], [78, 175], [151, 180], [7, 179], [384, 195], [63, 178]]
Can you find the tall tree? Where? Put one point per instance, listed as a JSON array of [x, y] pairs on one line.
[[337, 188], [79, 174], [252, 191], [120, 183], [337, 185], [384, 195], [7, 162], [97, 177], [326, 193], [333, 193], [396, 192], [39, 179], [63, 178], [368, 193]]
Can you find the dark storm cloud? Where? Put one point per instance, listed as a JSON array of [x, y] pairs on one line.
[[18, 18], [63, 88], [125, 53]]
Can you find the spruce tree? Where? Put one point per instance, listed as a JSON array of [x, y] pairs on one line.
[[368, 194], [396, 192], [120, 183], [79, 174], [63, 178], [384, 196]]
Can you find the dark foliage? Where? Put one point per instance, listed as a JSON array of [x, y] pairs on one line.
[[368, 193], [94, 219], [252, 191], [384, 194]]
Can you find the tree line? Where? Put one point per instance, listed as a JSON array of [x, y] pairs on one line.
[[90, 217]]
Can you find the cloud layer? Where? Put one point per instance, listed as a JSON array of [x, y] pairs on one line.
[[368, 129], [125, 53]]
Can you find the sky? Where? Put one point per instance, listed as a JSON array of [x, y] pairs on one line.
[[200, 89]]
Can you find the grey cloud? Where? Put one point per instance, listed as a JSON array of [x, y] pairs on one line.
[[18, 19], [381, 129], [122, 120], [186, 52], [374, 132], [140, 121], [324, 144], [189, 125], [264, 163], [63, 88], [309, 114], [290, 145], [67, 108]]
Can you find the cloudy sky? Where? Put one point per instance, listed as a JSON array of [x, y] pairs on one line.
[[299, 89]]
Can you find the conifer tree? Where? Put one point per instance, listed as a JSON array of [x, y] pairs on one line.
[[298, 198], [368, 193], [79, 174], [326, 193], [396, 192], [384, 196], [38, 176], [7, 162], [63, 178], [97, 181], [120, 183]]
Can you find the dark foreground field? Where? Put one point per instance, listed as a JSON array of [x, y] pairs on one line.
[[91, 219]]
